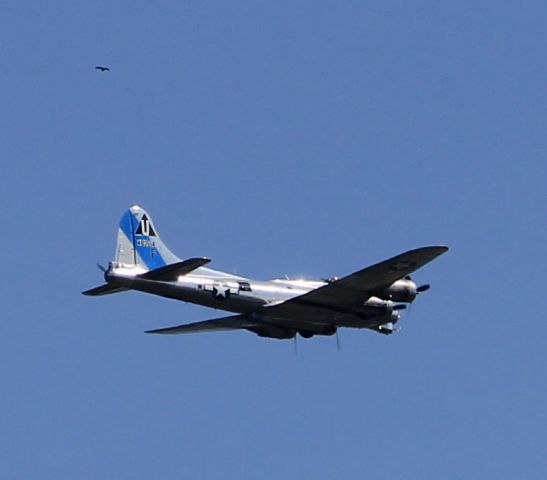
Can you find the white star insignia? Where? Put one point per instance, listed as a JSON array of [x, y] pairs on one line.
[[220, 291], [402, 265]]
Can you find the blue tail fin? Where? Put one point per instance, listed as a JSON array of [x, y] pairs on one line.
[[139, 243]]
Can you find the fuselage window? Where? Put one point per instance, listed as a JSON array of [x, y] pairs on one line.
[[244, 286]]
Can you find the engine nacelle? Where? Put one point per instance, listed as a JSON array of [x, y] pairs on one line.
[[389, 327], [326, 330], [403, 290], [271, 331], [395, 317]]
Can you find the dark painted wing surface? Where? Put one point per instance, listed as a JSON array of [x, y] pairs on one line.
[[347, 294], [236, 322], [105, 289]]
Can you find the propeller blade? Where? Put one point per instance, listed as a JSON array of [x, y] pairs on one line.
[[337, 340], [399, 306], [103, 269], [423, 288]]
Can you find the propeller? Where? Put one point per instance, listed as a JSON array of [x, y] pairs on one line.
[[104, 270], [337, 341], [421, 288]]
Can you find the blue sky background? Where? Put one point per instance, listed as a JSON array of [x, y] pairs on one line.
[[289, 137]]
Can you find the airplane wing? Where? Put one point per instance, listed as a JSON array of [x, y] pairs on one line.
[[348, 294], [235, 322], [323, 305]]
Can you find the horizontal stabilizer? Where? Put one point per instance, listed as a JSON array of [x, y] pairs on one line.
[[236, 322], [171, 272], [105, 289]]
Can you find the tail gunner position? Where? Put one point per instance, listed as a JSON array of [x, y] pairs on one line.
[[279, 308]]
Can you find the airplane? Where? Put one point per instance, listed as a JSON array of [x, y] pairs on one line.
[[279, 308]]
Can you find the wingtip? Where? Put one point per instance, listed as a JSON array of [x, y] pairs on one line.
[[158, 331], [437, 248]]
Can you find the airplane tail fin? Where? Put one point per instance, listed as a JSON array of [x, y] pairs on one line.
[[139, 243]]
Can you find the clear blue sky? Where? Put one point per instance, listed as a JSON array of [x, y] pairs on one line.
[[290, 137]]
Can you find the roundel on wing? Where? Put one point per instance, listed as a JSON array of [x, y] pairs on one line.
[[402, 265]]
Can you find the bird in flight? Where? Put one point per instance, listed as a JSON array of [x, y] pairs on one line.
[[102, 69]]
